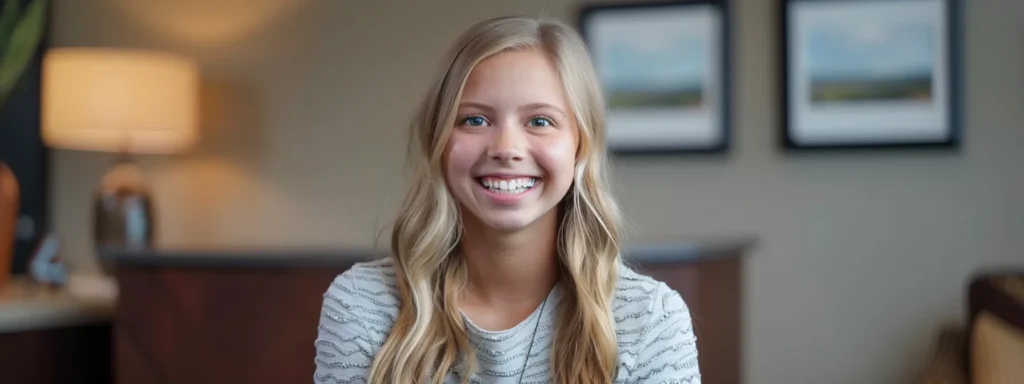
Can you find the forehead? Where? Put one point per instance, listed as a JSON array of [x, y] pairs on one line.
[[515, 77]]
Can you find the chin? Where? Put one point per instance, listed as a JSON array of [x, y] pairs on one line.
[[507, 223]]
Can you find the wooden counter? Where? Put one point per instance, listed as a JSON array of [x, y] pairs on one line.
[[241, 316], [48, 335]]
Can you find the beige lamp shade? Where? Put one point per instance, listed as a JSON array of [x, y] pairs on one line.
[[117, 100]]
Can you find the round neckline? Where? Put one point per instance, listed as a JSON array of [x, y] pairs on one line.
[[535, 315]]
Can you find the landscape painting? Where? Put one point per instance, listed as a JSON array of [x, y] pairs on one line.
[[892, 62], [871, 74], [661, 67], [646, 69]]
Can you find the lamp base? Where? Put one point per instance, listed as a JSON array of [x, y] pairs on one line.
[[122, 210]]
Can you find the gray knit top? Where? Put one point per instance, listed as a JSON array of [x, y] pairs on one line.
[[652, 326]]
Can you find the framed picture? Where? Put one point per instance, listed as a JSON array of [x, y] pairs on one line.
[[665, 74], [871, 74]]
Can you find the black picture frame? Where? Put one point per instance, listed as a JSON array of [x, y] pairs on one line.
[[650, 122], [904, 104]]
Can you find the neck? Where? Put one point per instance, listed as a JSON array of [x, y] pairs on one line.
[[513, 269]]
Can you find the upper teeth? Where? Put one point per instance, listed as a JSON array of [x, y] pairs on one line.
[[509, 184]]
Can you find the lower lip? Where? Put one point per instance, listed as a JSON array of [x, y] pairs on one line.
[[508, 198]]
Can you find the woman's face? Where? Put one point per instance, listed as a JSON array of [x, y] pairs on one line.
[[511, 156]]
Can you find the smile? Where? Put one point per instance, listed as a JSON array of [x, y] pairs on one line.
[[508, 186]]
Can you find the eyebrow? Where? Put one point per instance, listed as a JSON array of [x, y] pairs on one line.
[[473, 104], [531, 106], [535, 106]]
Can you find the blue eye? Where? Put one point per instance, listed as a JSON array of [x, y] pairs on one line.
[[475, 121], [540, 122]]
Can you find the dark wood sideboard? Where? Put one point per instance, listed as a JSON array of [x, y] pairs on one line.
[[48, 335], [236, 316]]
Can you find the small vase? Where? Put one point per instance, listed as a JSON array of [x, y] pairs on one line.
[[9, 209]]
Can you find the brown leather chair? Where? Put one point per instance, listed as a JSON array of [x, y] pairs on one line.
[[995, 343], [990, 348]]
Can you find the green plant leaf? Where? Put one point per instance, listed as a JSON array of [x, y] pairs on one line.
[[25, 39], [8, 16]]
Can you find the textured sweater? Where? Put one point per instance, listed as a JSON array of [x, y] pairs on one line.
[[652, 326]]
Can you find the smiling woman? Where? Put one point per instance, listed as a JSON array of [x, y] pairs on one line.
[[510, 130], [506, 264]]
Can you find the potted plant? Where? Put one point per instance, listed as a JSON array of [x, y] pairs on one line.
[[21, 32]]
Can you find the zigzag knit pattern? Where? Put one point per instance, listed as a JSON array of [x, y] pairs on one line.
[[652, 325]]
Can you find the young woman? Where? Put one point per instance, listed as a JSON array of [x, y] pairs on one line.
[[506, 264]]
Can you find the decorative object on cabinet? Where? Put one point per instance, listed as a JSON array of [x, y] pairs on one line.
[[127, 102], [24, 26], [871, 74], [9, 209], [664, 68], [46, 266]]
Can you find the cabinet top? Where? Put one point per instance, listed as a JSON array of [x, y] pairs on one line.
[[665, 250], [28, 306]]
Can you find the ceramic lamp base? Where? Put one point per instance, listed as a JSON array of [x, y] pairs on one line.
[[123, 210]]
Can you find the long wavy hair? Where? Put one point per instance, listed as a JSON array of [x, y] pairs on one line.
[[429, 338]]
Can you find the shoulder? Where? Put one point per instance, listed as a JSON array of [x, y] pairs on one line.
[[375, 277], [359, 308], [368, 287], [364, 296], [652, 321], [640, 298]]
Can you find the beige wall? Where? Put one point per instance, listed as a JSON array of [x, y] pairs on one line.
[[862, 256]]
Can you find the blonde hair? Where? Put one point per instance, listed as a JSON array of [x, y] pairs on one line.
[[429, 338]]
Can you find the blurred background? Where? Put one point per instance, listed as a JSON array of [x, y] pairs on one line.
[[860, 258]]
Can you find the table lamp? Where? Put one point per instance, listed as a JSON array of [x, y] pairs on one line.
[[126, 102]]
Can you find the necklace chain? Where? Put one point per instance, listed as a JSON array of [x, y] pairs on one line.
[[529, 350]]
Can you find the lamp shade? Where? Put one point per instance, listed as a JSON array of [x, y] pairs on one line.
[[117, 100]]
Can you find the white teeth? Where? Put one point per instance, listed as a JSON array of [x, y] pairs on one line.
[[510, 186]]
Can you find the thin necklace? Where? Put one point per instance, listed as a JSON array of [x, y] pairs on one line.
[[529, 349]]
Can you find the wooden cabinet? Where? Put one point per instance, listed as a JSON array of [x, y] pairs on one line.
[[712, 290], [252, 317], [50, 336], [218, 324], [202, 318], [63, 355]]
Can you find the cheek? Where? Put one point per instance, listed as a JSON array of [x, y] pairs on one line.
[[558, 157], [458, 159]]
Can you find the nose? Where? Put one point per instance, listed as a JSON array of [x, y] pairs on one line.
[[508, 145]]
